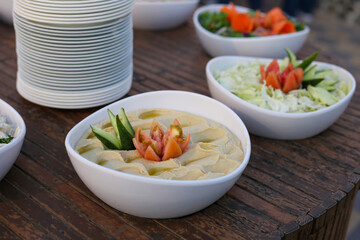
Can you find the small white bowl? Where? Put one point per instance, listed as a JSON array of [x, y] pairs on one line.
[[269, 46], [272, 124], [162, 15], [10, 152], [6, 8], [150, 197]]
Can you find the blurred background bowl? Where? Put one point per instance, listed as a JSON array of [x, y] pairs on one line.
[[272, 124], [150, 197], [10, 152], [6, 7], [269, 46], [162, 15]]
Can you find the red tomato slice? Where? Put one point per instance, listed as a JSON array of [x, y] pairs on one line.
[[140, 147], [272, 79], [283, 27], [299, 75], [156, 131], [171, 150], [158, 147], [262, 73], [293, 80], [286, 71], [176, 122], [273, 67], [184, 143], [150, 154]]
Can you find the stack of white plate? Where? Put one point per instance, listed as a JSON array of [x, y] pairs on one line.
[[73, 53]]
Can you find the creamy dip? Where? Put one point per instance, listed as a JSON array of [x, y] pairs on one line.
[[7, 129], [213, 150]]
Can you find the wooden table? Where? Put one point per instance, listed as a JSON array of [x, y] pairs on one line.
[[290, 189]]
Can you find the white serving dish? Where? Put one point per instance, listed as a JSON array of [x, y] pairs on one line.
[[269, 46], [272, 124], [162, 15], [6, 7], [10, 152], [158, 198]]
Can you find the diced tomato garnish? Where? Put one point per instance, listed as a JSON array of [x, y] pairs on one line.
[[273, 67], [231, 11], [242, 22], [273, 79], [184, 143], [156, 132], [283, 27], [262, 73], [160, 146], [286, 71], [293, 80], [150, 154], [171, 149], [176, 122], [274, 16], [140, 147]]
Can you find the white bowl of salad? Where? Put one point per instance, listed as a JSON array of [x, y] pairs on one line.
[[249, 34], [272, 101], [12, 134], [162, 14]]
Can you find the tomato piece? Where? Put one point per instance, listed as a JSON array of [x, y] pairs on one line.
[[150, 154], [156, 131], [286, 71], [176, 122], [283, 27], [158, 147], [272, 79], [184, 143], [299, 75], [140, 147], [262, 73], [273, 67], [274, 16], [242, 22], [293, 80], [231, 11], [171, 149]]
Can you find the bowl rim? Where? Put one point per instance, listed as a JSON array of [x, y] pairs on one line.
[[183, 2], [137, 178], [237, 99], [18, 118], [239, 39]]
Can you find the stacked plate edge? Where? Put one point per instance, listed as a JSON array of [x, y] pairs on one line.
[[73, 54]]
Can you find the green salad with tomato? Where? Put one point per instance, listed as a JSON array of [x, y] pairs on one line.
[[318, 88]]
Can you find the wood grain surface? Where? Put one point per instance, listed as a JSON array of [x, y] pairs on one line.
[[290, 189]]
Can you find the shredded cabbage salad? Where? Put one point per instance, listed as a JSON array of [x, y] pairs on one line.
[[243, 80]]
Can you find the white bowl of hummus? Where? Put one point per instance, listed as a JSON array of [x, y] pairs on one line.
[[216, 156], [12, 134]]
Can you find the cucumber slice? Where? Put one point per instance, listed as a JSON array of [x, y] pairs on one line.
[[310, 73], [113, 122], [304, 64], [312, 82], [126, 123], [107, 139], [322, 95], [124, 135], [291, 55]]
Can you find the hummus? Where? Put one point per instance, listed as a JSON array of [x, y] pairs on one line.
[[213, 150]]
